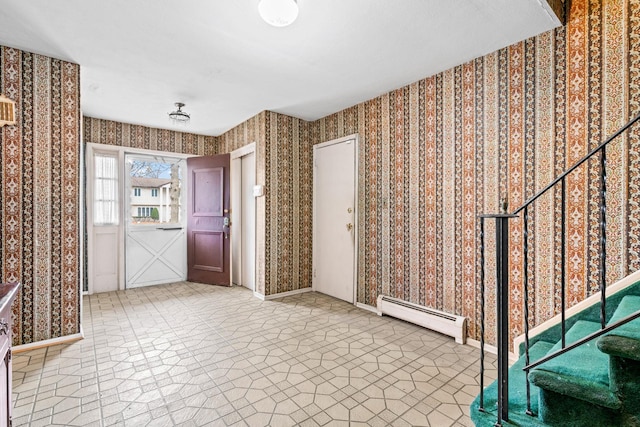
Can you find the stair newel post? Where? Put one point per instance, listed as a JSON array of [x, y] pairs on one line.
[[482, 306], [502, 306], [502, 302], [563, 238], [603, 236], [526, 302]]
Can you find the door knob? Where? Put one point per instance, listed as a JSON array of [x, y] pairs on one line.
[[225, 226], [349, 227]]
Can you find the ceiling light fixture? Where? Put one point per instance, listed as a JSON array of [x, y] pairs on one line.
[[278, 13], [178, 116]]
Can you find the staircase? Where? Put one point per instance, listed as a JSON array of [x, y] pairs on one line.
[[585, 371], [595, 384]]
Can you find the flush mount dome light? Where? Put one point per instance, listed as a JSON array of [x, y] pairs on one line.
[[278, 13], [178, 116]]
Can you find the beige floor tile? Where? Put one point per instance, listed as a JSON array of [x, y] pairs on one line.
[[195, 355], [439, 419]]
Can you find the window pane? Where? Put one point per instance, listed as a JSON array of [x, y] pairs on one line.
[[156, 189], [105, 204]]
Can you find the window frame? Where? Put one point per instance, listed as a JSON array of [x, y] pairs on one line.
[[114, 200]]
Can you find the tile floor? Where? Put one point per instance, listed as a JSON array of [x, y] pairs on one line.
[[191, 354]]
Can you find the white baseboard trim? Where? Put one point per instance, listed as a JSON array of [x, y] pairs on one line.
[[367, 307], [67, 339], [258, 295], [488, 348], [286, 294], [491, 349]]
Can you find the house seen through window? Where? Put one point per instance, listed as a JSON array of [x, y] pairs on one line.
[[156, 191]]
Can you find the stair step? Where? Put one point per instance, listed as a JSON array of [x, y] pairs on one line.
[[629, 305], [584, 361], [623, 341], [582, 373]]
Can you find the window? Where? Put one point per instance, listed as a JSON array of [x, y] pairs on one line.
[[144, 211], [105, 197], [154, 189]]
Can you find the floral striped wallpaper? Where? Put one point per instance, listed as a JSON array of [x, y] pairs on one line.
[[40, 165], [283, 165], [289, 174], [108, 132], [442, 150]]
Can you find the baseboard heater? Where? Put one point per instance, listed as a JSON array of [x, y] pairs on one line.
[[445, 323]]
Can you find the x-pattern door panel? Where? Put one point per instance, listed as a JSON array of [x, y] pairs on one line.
[[157, 255]]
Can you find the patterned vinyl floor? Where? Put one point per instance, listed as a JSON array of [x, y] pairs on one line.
[[190, 354]]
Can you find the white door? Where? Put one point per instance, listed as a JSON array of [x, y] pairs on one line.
[[334, 204], [155, 221], [243, 227]]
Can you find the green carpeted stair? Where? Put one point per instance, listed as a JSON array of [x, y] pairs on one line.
[[595, 384]]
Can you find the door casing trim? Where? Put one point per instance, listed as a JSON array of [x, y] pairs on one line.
[[238, 154]]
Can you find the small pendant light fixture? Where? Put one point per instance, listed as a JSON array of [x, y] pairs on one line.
[[178, 116], [278, 13]]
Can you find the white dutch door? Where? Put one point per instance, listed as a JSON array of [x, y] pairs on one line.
[[155, 221]]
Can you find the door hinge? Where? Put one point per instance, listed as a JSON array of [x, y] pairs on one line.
[[314, 273], [9, 354], [10, 421]]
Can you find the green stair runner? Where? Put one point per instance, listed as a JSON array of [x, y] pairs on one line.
[[582, 373], [628, 305], [575, 385], [574, 389], [517, 394]]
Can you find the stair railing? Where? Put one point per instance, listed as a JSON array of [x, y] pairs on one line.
[[502, 278]]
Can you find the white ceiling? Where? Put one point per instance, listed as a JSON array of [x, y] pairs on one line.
[[138, 57]]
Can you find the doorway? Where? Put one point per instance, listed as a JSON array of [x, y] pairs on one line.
[[243, 216], [132, 234], [334, 218], [155, 238]]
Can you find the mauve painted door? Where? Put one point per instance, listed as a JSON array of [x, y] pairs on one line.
[[208, 242]]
